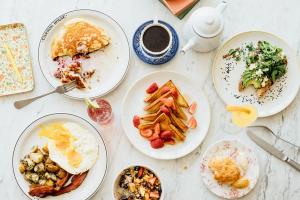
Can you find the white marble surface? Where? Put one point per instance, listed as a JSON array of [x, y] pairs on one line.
[[278, 181]]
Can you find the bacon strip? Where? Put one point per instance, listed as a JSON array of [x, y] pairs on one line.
[[75, 183], [61, 182], [41, 190]]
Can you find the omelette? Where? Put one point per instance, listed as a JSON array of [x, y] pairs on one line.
[[78, 37]]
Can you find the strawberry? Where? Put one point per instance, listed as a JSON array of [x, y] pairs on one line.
[[152, 88], [169, 102], [166, 135], [164, 90], [165, 110], [170, 141], [192, 108], [192, 123], [153, 137], [156, 144], [136, 121], [146, 132]]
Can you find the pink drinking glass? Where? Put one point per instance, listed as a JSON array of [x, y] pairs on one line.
[[102, 115]]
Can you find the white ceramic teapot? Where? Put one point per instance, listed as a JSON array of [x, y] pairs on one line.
[[203, 30]]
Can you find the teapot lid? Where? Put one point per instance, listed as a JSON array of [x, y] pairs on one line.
[[207, 22]]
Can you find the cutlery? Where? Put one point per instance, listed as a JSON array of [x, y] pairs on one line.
[[60, 89], [273, 150]]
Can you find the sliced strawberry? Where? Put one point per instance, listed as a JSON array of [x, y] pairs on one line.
[[192, 123], [166, 135], [156, 144], [153, 137], [169, 102], [165, 110], [157, 129], [164, 90], [146, 132], [152, 88], [192, 108], [136, 121], [170, 141]]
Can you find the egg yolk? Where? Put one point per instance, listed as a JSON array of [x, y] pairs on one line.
[[62, 139], [242, 116]]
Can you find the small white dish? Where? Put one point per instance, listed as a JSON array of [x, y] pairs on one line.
[[133, 104], [118, 176], [111, 63], [233, 149], [30, 138], [226, 76]]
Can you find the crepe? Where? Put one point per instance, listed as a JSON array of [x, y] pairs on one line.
[[79, 37]]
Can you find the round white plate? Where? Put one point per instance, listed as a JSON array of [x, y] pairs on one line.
[[134, 103], [30, 138], [226, 76], [111, 63], [232, 149]]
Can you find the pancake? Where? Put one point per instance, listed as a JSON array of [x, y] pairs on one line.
[[80, 37]]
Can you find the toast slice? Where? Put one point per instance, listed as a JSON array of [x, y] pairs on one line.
[[157, 94], [178, 122], [156, 101], [161, 118], [178, 134]]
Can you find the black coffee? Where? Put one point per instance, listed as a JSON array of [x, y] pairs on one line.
[[156, 38]]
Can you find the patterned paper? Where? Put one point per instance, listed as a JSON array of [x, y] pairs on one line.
[[14, 49]]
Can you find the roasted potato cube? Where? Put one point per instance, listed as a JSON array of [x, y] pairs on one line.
[[22, 168], [49, 182], [45, 149], [39, 168], [29, 164], [52, 168], [61, 173], [36, 157]]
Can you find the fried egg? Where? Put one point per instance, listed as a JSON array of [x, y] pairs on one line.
[[72, 147]]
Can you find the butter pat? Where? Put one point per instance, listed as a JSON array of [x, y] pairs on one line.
[[242, 116]]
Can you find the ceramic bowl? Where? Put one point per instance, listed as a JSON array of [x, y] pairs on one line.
[[118, 176]]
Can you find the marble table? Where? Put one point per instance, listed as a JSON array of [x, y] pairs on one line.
[[277, 181]]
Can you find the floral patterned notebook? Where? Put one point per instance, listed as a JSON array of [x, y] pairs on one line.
[[15, 62]]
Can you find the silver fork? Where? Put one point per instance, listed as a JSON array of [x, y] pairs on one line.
[[60, 89]]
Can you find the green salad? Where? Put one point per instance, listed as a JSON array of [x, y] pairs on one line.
[[264, 64]]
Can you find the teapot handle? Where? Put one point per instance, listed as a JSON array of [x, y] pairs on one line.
[[221, 6]]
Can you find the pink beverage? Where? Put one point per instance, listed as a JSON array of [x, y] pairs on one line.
[[103, 114]]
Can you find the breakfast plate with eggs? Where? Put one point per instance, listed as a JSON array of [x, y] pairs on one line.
[[85, 46], [60, 156], [229, 169]]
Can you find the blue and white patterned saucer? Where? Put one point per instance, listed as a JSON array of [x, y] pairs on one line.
[[152, 59]]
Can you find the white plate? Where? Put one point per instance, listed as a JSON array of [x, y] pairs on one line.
[[134, 103], [229, 148], [284, 90], [30, 138], [111, 64]]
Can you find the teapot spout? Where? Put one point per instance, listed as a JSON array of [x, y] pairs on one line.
[[188, 45], [221, 7]]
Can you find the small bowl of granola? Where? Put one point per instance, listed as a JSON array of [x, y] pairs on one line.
[[138, 182]]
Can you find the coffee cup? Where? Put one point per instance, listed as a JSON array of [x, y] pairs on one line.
[[156, 39]]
